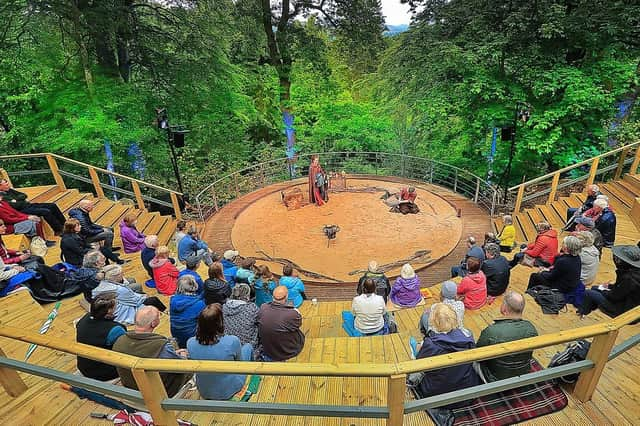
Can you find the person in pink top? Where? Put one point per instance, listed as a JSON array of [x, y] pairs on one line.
[[472, 290], [132, 239], [165, 273]]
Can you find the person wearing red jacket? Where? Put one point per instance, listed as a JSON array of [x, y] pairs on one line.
[[20, 223], [543, 250], [165, 273]]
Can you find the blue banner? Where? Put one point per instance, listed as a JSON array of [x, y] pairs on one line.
[[112, 179], [138, 165]]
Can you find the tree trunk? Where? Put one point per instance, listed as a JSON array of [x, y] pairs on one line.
[[82, 48]]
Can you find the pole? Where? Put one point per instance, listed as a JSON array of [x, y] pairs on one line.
[[174, 161]]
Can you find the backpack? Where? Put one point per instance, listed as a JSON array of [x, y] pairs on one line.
[[575, 351], [550, 299]]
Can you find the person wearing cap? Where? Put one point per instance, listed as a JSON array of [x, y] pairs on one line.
[[496, 269], [604, 219], [192, 264], [229, 266], [279, 328], [369, 310], [405, 291], [240, 315], [624, 294], [587, 224], [294, 285], [383, 287], [191, 245], [448, 292], [592, 193], [472, 290]]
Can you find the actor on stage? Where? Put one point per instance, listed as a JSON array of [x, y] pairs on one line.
[[402, 202], [318, 185]]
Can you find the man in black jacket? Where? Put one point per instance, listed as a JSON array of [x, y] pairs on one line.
[[18, 200], [496, 269]]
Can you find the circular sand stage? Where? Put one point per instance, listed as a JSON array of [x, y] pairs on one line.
[[367, 231]]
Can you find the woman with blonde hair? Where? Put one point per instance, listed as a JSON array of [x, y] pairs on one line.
[[165, 273]]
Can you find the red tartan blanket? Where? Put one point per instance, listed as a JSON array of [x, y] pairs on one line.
[[507, 407]]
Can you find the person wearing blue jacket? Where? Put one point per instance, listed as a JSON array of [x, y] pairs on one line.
[[294, 285], [229, 268], [192, 266], [184, 308], [191, 246]]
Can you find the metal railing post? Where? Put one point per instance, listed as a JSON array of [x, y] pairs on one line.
[[475, 197], [396, 386], [455, 182], [152, 390]]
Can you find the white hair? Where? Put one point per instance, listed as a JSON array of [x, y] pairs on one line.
[[600, 202]]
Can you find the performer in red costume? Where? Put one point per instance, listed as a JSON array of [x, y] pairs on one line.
[[318, 184]]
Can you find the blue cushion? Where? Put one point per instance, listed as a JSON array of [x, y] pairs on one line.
[[150, 283], [348, 324]]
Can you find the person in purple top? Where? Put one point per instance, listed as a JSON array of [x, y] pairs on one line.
[[132, 239], [406, 290]]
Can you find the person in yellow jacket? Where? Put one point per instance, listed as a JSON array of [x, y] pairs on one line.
[[507, 235]]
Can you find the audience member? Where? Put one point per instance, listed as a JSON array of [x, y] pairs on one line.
[[369, 310], [592, 193], [21, 223], [98, 328], [448, 293], [383, 287], [132, 239], [508, 234], [264, 285], [240, 315], [294, 285], [18, 200], [216, 288], [184, 308], [473, 251], [490, 238], [543, 250], [192, 264], [497, 271], [405, 291], [92, 232], [22, 258], [144, 343], [589, 257], [604, 219], [279, 328], [72, 246], [587, 224], [211, 343], [617, 298], [181, 227], [229, 266], [191, 245], [472, 290], [507, 329], [245, 273], [564, 275], [165, 273], [149, 252], [90, 274]]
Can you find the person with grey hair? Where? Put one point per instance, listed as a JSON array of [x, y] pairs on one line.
[[448, 292], [184, 307], [604, 219], [191, 245], [192, 264], [89, 275], [151, 243], [496, 269], [589, 257], [474, 250], [240, 315], [507, 236], [593, 191], [564, 275]]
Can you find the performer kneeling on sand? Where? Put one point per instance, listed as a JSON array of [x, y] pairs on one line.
[[318, 184], [402, 202]]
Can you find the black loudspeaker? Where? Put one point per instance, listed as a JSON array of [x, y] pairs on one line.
[[507, 133], [178, 139]]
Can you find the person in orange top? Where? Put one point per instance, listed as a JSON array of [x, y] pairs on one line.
[[165, 273], [543, 250], [472, 290]]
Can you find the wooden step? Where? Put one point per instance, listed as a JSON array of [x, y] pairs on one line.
[[633, 180], [551, 216], [156, 225], [633, 191], [40, 194], [526, 225], [617, 198], [166, 232]]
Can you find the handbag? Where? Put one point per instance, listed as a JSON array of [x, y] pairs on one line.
[[38, 247], [528, 261]]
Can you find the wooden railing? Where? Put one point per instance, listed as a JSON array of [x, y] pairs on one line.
[[612, 163], [151, 391], [54, 166]]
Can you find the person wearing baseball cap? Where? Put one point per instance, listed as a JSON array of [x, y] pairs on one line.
[[616, 298], [229, 266]]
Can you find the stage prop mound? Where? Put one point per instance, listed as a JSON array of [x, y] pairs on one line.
[[367, 230]]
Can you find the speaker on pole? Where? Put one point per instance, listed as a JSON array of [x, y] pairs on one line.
[[507, 133]]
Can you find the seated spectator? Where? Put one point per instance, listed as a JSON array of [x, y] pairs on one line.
[[184, 308], [98, 328], [245, 273], [369, 310], [149, 252], [587, 224], [589, 257], [144, 343], [17, 257], [191, 246], [229, 266], [165, 273], [264, 285], [444, 337], [132, 239], [405, 291], [490, 238], [507, 329], [473, 251], [216, 288], [72, 246], [543, 250], [90, 274], [508, 234], [21, 223], [564, 275], [212, 344], [448, 293], [192, 264], [92, 232], [497, 271], [617, 298], [18, 200], [472, 290], [279, 328], [383, 287], [294, 285], [573, 213], [128, 301], [240, 315], [181, 228], [604, 219]]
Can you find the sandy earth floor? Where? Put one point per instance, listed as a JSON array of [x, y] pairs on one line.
[[367, 231]]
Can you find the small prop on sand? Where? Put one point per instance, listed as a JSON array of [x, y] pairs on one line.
[[43, 329], [421, 256], [330, 231], [292, 198], [283, 261]]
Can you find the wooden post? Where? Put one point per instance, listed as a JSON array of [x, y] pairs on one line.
[[10, 380], [138, 194], [215, 199], [396, 387], [599, 354], [56, 172], [96, 182], [176, 206], [516, 207], [554, 188], [4, 175], [477, 194], [636, 162], [623, 156], [153, 392], [593, 171]]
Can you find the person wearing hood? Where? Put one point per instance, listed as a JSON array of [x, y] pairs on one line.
[[132, 239], [229, 267], [383, 287], [406, 289], [444, 337], [184, 308], [472, 290], [240, 315], [624, 294], [165, 273], [543, 250], [294, 285], [216, 288]]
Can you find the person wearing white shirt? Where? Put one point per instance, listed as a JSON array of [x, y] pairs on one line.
[[369, 309]]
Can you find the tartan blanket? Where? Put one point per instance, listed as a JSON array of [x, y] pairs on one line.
[[507, 407]]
